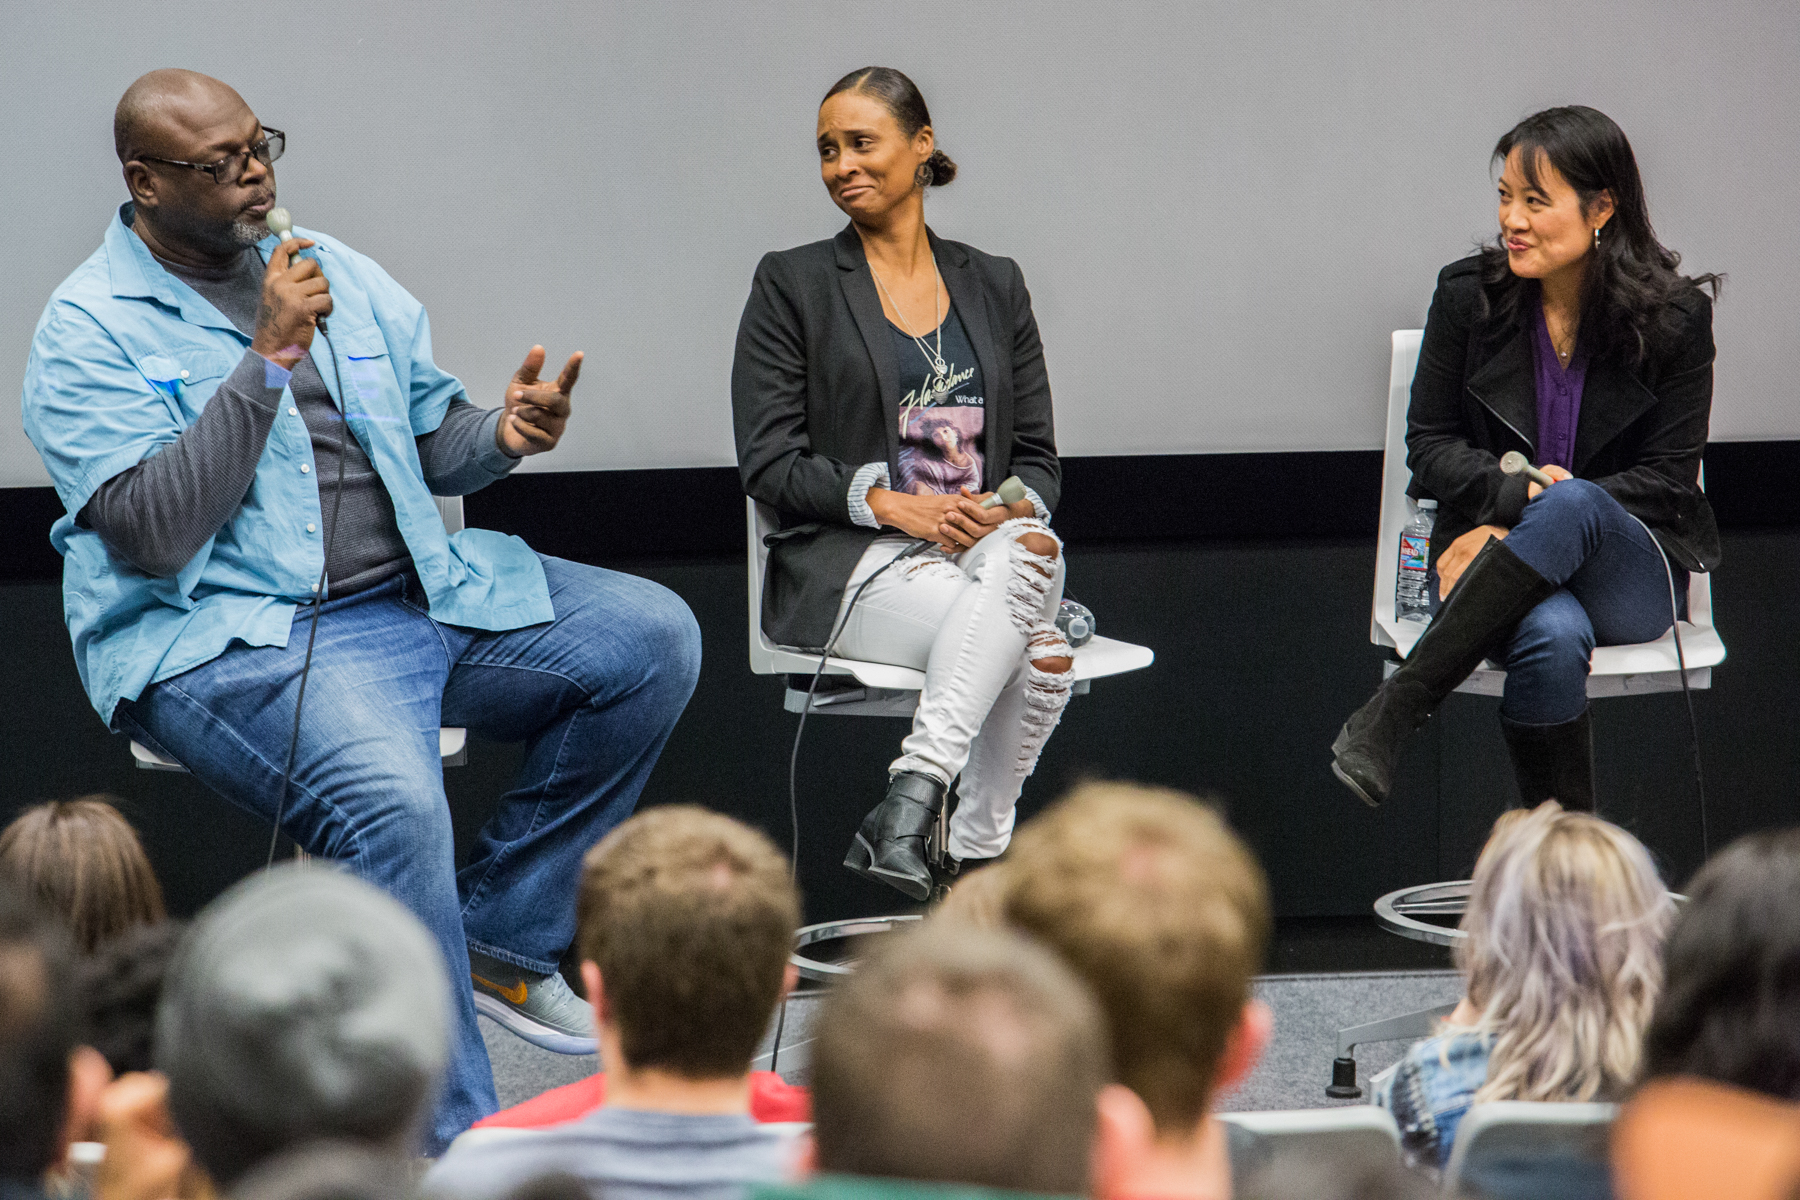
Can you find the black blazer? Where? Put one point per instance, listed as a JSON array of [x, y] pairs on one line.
[[815, 394], [1640, 433]]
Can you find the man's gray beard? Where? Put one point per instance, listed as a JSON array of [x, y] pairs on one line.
[[248, 233]]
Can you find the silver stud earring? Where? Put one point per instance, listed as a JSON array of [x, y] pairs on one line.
[[1596, 237]]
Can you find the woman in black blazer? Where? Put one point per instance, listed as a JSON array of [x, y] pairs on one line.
[[886, 381], [1575, 342]]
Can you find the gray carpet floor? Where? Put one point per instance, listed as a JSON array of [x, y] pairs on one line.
[[1309, 1010]]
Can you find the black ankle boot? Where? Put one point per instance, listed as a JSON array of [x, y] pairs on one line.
[[890, 846], [1495, 591], [1553, 762]]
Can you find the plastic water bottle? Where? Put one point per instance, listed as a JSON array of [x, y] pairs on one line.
[[1076, 622], [1412, 596]]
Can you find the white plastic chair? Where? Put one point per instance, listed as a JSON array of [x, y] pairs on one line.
[[453, 741], [1496, 1138], [1351, 1131], [1614, 670], [887, 690]]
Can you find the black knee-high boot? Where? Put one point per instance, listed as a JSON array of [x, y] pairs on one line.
[[890, 846], [1553, 762], [1496, 590]]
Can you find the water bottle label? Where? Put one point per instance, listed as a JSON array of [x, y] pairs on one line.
[[1415, 552]]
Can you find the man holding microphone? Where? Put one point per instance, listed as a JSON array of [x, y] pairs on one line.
[[248, 491]]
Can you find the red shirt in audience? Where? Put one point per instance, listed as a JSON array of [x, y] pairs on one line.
[[772, 1098]]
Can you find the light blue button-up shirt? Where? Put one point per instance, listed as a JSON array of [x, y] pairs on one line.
[[124, 359]]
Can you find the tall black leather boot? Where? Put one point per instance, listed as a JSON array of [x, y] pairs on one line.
[[1553, 762], [890, 846], [1495, 591]]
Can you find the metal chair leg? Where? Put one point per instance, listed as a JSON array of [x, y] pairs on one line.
[[1408, 1025]]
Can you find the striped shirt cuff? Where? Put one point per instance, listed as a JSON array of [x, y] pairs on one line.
[[867, 476], [1037, 502]]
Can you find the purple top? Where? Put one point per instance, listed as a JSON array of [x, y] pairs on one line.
[[1558, 398]]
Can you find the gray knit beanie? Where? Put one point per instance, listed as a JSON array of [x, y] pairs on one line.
[[303, 1004]]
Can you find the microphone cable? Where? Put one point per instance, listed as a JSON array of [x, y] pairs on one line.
[[1687, 692], [319, 591], [824, 655]]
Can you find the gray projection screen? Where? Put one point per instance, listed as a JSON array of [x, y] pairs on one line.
[[1222, 208]]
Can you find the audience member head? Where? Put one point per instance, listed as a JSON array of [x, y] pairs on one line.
[[83, 862], [977, 899], [959, 1055], [48, 1087], [1730, 1009], [685, 922], [329, 1171], [1563, 958], [1156, 904], [304, 1005], [121, 984]]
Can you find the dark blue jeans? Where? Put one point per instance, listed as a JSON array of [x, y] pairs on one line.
[[593, 695], [1614, 591]]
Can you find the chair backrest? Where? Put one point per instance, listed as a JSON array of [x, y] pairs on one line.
[[1351, 1131], [1505, 1139], [450, 508], [759, 522], [1397, 507]]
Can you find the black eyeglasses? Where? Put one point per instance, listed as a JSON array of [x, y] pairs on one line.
[[231, 168]]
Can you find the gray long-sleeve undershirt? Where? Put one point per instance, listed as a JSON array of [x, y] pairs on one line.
[[158, 514]]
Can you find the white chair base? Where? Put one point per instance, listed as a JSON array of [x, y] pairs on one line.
[[453, 747], [886, 690]]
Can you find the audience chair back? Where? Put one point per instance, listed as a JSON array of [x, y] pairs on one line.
[[1504, 1141], [453, 741], [885, 690], [1615, 670], [1357, 1132]]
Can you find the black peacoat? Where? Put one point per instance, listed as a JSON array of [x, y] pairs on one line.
[[1640, 434], [815, 394]]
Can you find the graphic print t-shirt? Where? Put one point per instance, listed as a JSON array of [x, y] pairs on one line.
[[941, 447]]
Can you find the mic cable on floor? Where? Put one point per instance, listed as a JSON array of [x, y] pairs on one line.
[[812, 689]]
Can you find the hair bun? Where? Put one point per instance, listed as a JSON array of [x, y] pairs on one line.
[[943, 169]]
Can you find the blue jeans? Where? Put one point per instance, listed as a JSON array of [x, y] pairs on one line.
[[593, 695], [1614, 591]]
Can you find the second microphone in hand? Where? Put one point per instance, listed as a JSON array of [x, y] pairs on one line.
[[1512, 462]]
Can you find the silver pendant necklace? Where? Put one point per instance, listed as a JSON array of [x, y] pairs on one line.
[[934, 356]]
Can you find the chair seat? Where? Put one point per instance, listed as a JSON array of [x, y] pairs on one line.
[[1612, 671], [1099, 658], [452, 742]]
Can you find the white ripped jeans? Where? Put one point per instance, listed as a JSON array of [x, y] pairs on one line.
[[974, 623]]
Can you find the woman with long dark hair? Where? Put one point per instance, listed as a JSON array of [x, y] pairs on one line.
[[1574, 340], [879, 374]]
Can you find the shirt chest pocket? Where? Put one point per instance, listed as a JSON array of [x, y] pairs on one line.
[[188, 377], [365, 375]]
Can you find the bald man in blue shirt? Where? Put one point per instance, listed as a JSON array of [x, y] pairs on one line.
[[234, 465]]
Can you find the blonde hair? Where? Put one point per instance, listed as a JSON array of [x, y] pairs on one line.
[[976, 900], [1164, 913], [1566, 921], [690, 917], [82, 861]]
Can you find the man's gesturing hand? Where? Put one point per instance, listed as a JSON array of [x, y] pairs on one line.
[[294, 296], [536, 412]]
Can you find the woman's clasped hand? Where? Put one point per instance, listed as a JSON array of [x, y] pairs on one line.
[[1459, 554], [954, 523]]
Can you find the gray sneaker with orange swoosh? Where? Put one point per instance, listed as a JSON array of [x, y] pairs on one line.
[[542, 1009]]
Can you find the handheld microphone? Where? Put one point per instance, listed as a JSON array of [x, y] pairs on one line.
[[282, 226], [1011, 491], [1514, 463]]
